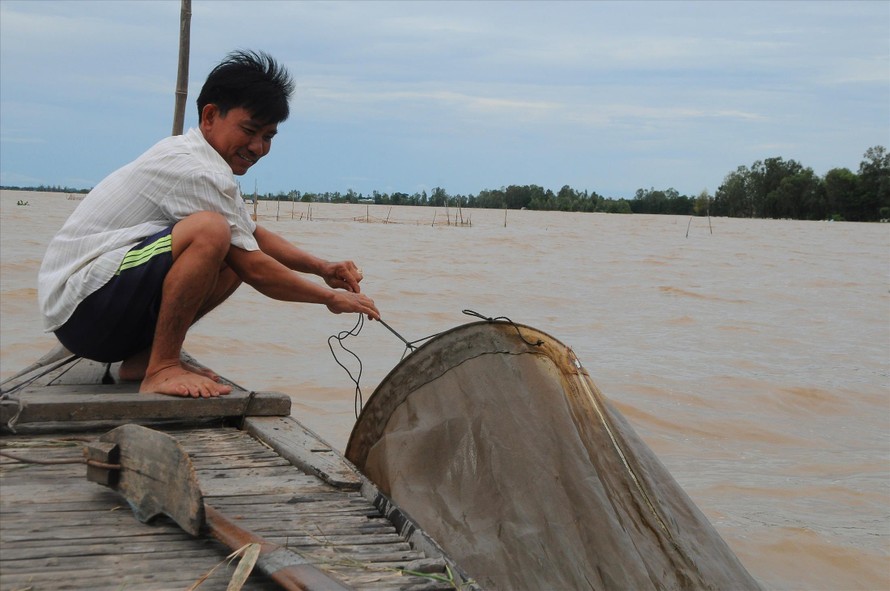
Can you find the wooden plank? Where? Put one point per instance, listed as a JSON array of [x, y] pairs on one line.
[[115, 573], [64, 552], [65, 532], [21, 552], [306, 450], [27, 548], [122, 402], [84, 371]]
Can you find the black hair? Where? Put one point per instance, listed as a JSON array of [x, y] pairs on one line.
[[250, 80]]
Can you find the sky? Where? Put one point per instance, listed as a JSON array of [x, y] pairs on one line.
[[407, 96]]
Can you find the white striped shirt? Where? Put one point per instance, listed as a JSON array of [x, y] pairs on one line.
[[178, 176]]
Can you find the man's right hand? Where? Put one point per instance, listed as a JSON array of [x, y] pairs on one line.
[[347, 301]]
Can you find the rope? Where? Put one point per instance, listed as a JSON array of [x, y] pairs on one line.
[[340, 337], [246, 409], [410, 347], [401, 338], [46, 369], [6, 395], [537, 343]]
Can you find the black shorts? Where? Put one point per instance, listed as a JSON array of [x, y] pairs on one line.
[[118, 320]]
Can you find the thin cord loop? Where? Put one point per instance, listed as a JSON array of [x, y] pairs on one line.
[[410, 347], [340, 337], [537, 343]]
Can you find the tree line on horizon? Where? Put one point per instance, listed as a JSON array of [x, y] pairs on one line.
[[770, 188]]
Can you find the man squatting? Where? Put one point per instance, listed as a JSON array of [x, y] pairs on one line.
[[167, 238]]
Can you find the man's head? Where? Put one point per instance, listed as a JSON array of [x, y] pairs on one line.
[[240, 106], [251, 80]]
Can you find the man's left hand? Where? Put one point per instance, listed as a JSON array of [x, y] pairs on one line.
[[343, 275]]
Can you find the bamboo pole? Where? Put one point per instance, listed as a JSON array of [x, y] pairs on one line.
[[182, 77]]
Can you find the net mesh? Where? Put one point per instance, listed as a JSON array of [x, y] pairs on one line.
[[498, 444]]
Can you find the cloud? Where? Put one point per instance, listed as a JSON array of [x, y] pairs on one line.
[[488, 91]]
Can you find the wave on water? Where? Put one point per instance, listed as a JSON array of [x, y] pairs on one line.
[[677, 291]]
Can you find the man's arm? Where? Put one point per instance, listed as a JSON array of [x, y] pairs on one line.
[[340, 275], [273, 279]]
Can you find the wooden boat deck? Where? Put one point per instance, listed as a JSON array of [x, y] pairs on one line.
[[268, 473]]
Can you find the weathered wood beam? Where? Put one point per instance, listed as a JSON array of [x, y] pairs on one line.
[[121, 402], [304, 449]]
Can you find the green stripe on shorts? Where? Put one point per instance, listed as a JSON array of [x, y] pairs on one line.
[[138, 256]]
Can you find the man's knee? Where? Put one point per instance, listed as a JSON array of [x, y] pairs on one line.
[[205, 229]]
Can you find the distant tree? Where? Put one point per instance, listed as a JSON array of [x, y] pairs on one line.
[[772, 188], [797, 196], [542, 200], [491, 199], [874, 186], [732, 197], [702, 204], [841, 188], [765, 178], [566, 198], [668, 201], [439, 197], [615, 206]]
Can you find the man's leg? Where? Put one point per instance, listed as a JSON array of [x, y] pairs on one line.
[[197, 281], [133, 368]]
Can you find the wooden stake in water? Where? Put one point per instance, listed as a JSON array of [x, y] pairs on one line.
[[182, 75], [255, 200]]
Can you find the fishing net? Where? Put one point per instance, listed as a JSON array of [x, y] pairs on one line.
[[494, 439]]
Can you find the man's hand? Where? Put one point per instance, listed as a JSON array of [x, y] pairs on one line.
[[354, 302], [343, 275]]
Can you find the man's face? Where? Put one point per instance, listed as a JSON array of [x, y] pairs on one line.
[[238, 138]]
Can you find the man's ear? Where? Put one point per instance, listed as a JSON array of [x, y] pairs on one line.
[[209, 114]]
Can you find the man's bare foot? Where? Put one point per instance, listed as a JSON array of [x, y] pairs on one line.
[[133, 368], [175, 380], [203, 371]]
